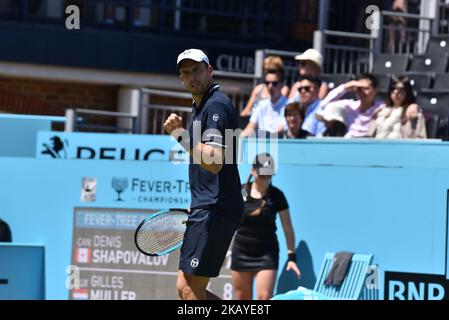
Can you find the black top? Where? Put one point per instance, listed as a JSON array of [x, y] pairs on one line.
[[261, 229], [301, 134], [208, 123]]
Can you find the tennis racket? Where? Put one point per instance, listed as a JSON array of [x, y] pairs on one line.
[[162, 232]]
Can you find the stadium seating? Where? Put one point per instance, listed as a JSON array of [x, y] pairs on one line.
[[438, 45], [433, 63], [436, 102], [391, 64], [441, 82], [432, 125], [419, 81]]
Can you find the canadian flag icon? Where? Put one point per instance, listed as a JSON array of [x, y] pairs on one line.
[[83, 255]]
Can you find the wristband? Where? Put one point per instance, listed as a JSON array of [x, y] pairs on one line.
[[292, 257]]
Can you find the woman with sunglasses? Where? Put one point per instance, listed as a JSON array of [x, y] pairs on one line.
[[309, 64], [271, 64], [401, 117], [255, 249]]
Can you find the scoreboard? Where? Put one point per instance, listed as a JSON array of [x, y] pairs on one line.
[[109, 267]]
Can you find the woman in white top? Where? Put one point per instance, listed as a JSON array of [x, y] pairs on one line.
[[401, 118]]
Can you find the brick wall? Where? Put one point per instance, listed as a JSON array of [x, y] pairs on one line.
[[41, 97], [52, 98]]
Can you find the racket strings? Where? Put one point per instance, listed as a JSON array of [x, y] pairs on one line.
[[161, 233]]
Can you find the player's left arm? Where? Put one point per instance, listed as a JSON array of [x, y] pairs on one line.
[[290, 239]]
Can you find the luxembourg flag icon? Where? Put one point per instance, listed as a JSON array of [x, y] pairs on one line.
[[80, 294], [83, 255]]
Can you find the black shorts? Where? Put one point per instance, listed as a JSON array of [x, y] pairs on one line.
[[206, 241]]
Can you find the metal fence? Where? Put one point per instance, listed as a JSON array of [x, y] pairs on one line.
[[151, 114], [354, 53], [346, 52], [403, 33]]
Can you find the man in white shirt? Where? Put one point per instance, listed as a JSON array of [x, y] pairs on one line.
[[268, 114]]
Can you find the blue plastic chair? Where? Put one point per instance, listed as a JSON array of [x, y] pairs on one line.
[[351, 288], [354, 282]]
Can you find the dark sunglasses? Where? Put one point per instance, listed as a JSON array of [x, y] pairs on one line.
[[305, 89], [274, 83]]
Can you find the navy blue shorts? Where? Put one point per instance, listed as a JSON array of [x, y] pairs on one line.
[[206, 242]]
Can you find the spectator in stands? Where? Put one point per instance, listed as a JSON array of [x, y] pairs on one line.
[[308, 89], [397, 26], [334, 120], [294, 118], [268, 115], [393, 121], [255, 249], [358, 113], [260, 92], [309, 64], [5, 232]]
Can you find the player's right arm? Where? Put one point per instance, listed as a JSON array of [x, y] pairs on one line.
[[199, 151]]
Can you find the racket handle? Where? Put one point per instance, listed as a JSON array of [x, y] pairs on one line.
[[184, 221]]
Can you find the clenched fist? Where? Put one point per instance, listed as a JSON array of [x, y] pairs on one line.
[[172, 123]]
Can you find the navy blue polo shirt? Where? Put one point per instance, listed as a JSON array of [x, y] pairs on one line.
[[207, 124]]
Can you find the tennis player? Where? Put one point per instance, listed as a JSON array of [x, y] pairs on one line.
[[217, 203]]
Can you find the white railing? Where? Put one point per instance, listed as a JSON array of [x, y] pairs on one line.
[[409, 37]]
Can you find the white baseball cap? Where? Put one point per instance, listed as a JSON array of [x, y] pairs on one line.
[[311, 55], [331, 113], [193, 54]]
